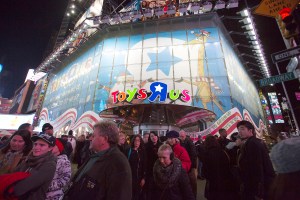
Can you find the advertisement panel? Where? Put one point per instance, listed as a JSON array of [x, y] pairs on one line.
[[12, 122], [243, 91], [275, 107], [93, 11], [34, 100]]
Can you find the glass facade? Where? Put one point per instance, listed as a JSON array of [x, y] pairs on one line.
[[200, 60]]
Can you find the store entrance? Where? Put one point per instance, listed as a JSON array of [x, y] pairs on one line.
[[160, 118]]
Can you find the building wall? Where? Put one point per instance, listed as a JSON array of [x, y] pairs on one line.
[[193, 56]]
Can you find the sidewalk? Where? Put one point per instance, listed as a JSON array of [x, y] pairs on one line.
[[200, 189]]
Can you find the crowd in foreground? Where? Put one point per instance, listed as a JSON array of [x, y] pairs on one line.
[[38, 166]]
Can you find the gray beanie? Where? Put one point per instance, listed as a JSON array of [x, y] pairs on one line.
[[286, 155]]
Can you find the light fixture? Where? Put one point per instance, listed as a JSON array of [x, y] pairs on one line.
[[219, 5], [115, 18], [244, 13], [182, 8], [171, 9], [148, 12], [96, 21], [207, 6], [251, 33], [125, 16], [248, 26], [232, 4], [253, 37], [247, 20], [72, 11], [137, 14], [159, 11], [105, 19], [195, 6], [68, 14]]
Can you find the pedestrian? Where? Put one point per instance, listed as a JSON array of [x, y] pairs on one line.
[[15, 151], [79, 146], [200, 153], [122, 144], [72, 140], [179, 151], [41, 165], [26, 126], [223, 140], [146, 137], [171, 180], [285, 157], [254, 163], [151, 155], [62, 174], [48, 129], [216, 170], [137, 160], [68, 146], [107, 174], [190, 147], [86, 151]]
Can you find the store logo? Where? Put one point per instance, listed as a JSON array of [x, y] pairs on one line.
[[157, 90]]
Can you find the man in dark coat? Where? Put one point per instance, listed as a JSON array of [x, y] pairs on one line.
[[255, 166], [107, 174], [223, 140], [171, 180], [190, 147]]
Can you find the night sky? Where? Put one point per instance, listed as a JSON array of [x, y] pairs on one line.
[[25, 29]]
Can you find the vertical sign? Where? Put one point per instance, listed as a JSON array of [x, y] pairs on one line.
[[275, 107]]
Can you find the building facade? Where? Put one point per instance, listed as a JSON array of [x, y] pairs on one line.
[[191, 57]]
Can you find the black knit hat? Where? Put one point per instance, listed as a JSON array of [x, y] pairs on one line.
[[47, 126], [172, 134]]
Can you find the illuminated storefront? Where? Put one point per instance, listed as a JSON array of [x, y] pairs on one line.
[[190, 57]]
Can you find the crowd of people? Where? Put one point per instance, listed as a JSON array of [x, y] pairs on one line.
[[111, 165]]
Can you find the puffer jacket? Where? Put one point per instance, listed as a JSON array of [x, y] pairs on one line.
[[183, 156], [61, 178]]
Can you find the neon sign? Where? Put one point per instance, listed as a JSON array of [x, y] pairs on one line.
[[158, 90]]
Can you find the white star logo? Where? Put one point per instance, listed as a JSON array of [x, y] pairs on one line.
[[158, 88]]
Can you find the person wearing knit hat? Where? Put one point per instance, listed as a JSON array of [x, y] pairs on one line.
[[47, 128], [62, 174], [286, 159], [179, 151], [41, 164]]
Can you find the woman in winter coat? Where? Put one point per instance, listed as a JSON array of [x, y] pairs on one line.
[[15, 151], [137, 160], [62, 174], [171, 180], [220, 183]]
